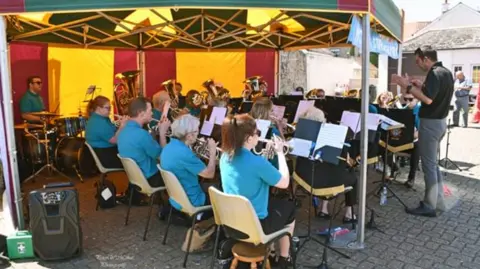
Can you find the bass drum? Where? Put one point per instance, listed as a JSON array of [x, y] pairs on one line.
[[72, 157]]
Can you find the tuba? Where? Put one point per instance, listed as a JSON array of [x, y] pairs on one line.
[[256, 87], [125, 91], [211, 91]]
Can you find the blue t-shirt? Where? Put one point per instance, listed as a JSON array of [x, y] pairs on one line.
[[194, 111], [416, 110], [179, 159], [372, 109], [136, 143], [250, 176], [31, 102], [99, 131]]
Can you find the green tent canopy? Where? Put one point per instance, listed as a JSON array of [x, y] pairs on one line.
[[227, 24]]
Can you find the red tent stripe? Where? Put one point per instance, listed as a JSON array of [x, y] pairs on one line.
[[261, 62], [160, 65]]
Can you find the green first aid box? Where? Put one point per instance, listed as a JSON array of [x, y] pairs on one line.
[[19, 245]]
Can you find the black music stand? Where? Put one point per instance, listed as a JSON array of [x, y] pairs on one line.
[[446, 162], [384, 182], [308, 130]]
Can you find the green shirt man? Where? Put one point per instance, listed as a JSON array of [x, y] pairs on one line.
[[31, 101]]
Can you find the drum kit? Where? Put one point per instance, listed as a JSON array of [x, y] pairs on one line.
[[59, 147]]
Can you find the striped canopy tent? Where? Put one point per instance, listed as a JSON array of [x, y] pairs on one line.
[[187, 24], [282, 25]]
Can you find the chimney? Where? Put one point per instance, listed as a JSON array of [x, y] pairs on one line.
[[445, 6]]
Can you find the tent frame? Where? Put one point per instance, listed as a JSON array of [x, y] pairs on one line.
[[202, 39]]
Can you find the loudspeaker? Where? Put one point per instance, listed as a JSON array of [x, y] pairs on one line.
[[55, 222]]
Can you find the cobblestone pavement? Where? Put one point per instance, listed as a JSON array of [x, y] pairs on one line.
[[449, 241]]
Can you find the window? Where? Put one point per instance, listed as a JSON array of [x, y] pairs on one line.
[[476, 74], [457, 68]]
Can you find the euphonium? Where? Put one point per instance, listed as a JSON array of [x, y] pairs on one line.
[[201, 149], [125, 91], [211, 91], [169, 86], [269, 151]]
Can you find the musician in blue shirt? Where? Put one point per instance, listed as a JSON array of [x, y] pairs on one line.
[[31, 101], [136, 143], [178, 158], [246, 174], [159, 100], [101, 134]]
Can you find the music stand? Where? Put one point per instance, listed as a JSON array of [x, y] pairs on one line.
[[446, 162], [309, 132]]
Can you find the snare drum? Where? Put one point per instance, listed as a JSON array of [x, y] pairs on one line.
[[34, 146], [68, 126], [72, 155]]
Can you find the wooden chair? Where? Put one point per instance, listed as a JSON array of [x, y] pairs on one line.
[[138, 180]]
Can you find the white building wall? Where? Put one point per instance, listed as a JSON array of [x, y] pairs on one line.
[[466, 58], [382, 83]]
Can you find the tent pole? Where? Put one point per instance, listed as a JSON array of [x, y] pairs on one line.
[[141, 67], [8, 122], [400, 65], [364, 129], [276, 90]]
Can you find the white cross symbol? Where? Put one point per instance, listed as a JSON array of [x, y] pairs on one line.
[[21, 248]]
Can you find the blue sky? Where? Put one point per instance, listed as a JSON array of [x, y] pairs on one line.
[[427, 10]]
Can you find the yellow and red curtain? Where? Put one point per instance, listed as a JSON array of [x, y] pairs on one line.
[[67, 72]]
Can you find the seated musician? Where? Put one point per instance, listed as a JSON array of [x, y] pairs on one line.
[[414, 104], [101, 134], [194, 103], [178, 158], [383, 100], [246, 174], [31, 101], [159, 100], [372, 93], [136, 143], [331, 175]]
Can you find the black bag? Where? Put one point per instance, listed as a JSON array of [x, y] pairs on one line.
[[110, 202]]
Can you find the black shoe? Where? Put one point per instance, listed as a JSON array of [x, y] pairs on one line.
[[422, 210], [350, 221], [284, 263], [410, 183], [453, 125]]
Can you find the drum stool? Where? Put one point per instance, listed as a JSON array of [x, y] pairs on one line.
[[248, 253]]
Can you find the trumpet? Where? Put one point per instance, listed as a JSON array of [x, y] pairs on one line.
[[269, 151], [201, 149]]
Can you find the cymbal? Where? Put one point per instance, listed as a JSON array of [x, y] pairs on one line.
[[28, 126], [45, 114]]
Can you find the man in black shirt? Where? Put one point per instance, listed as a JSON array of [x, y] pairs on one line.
[[435, 93]]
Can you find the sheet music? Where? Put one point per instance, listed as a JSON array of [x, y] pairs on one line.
[[278, 111], [302, 107], [351, 120], [373, 120], [263, 126], [301, 147], [207, 128], [388, 123], [331, 135], [218, 115]]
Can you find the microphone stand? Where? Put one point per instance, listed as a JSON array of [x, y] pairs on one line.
[[446, 162]]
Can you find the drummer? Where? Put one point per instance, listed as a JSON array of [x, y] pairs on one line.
[[101, 133], [31, 101]]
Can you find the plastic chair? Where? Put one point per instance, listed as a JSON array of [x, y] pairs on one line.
[[137, 179], [178, 195], [103, 172], [226, 210]]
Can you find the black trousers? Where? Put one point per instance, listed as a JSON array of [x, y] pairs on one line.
[[108, 157]]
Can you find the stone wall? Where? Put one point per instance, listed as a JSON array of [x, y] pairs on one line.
[[293, 71]]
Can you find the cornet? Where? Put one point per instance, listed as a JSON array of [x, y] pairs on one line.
[[201, 149], [117, 122], [269, 151], [154, 129]]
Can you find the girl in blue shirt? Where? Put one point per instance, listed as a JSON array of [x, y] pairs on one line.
[[101, 134], [251, 176]]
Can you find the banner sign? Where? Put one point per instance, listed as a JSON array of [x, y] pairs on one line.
[[378, 43]]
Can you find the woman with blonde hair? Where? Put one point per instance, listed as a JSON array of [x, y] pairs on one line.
[[262, 110]]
